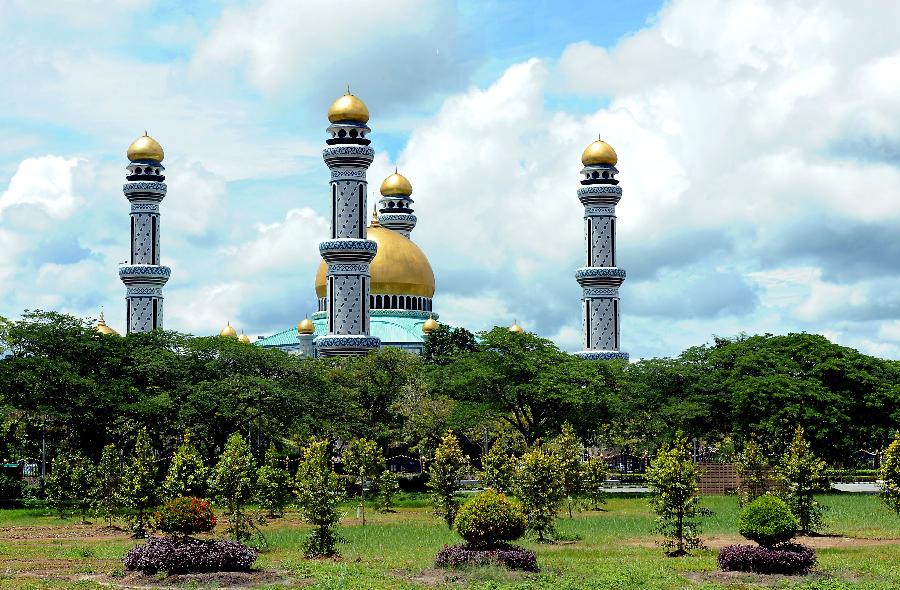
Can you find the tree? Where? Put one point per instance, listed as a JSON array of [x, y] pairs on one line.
[[273, 485], [890, 475], [388, 485], [499, 463], [234, 480], [803, 474], [674, 482], [59, 484], [139, 487], [594, 480], [753, 471], [444, 344], [528, 383], [319, 490], [188, 475], [567, 449], [540, 487], [444, 473], [108, 497], [362, 460]]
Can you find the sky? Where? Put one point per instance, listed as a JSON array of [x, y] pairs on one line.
[[758, 143]]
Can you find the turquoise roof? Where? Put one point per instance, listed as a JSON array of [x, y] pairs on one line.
[[390, 325]]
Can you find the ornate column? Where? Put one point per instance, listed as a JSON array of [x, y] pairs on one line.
[[600, 278], [395, 206], [348, 252], [143, 276]]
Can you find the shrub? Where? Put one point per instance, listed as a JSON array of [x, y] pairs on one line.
[[187, 556], [273, 485], [188, 475], [388, 484], [185, 516], [790, 558], [538, 485], [489, 519], [460, 556], [890, 475], [234, 479], [768, 521], [595, 471], [318, 492], [444, 474], [803, 474]]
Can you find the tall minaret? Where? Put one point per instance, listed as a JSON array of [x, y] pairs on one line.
[[348, 252], [395, 206], [600, 278], [143, 275]]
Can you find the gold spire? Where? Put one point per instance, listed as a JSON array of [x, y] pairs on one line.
[[306, 326], [374, 222], [516, 327], [102, 328], [228, 331], [145, 148], [396, 184], [430, 325], [599, 152], [348, 108], [243, 338]]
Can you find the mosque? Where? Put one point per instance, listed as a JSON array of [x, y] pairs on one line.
[[374, 286]]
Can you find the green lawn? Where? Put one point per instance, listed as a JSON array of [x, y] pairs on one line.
[[610, 549]]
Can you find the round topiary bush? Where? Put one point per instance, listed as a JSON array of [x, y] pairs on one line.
[[185, 516], [189, 556], [768, 521], [489, 520], [788, 559]]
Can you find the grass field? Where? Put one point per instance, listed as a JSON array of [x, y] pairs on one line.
[[611, 549]]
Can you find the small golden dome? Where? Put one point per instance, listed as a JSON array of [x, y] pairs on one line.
[[102, 328], [430, 325], [399, 267], [145, 148], [396, 184], [306, 326], [599, 152], [244, 338], [228, 331], [348, 108], [516, 328]]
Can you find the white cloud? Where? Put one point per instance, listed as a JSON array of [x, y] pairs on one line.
[[44, 183]]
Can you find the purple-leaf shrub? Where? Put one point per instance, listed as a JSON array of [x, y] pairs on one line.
[[790, 558], [510, 556], [188, 556]]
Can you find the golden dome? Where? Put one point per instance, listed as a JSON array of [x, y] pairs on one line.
[[430, 325], [102, 328], [516, 328], [396, 184], [228, 331], [145, 148], [348, 108], [399, 267], [599, 152], [306, 326], [244, 338]]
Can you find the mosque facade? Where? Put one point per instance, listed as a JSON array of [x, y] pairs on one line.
[[375, 287]]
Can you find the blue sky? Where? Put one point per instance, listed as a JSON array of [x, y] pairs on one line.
[[758, 153]]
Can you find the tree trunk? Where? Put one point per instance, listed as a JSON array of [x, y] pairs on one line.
[[680, 532], [570, 505]]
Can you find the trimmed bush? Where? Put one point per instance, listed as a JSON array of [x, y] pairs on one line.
[[185, 516], [189, 556], [768, 521], [489, 519], [790, 558], [509, 556]]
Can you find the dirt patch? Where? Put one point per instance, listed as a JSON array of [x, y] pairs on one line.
[[729, 578], [74, 531], [235, 580], [438, 577]]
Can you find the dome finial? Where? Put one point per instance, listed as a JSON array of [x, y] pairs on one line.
[[306, 327], [430, 325], [599, 153], [375, 217], [145, 148], [228, 331], [396, 185], [348, 109], [516, 327]]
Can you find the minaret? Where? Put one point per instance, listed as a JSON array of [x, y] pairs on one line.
[[348, 252], [306, 332], [395, 206], [600, 277], [143, 276]]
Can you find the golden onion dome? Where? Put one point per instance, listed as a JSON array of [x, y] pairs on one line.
[[348, 108], [228, 331], [430, 325], [399, 266], [599, 152], [306, 326], [244, 338], [516, 328], [102, 328], [145, 148], [396, 184]]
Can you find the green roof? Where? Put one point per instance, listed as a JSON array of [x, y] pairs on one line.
[[391, 326]]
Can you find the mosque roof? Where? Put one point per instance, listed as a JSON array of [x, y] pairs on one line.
[[391, 326]]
